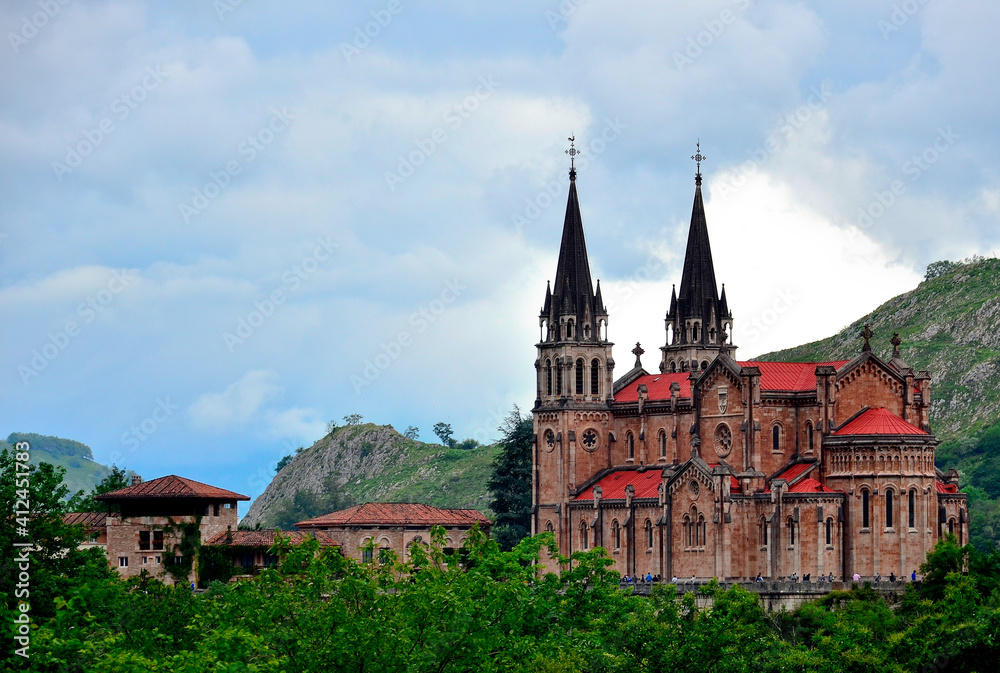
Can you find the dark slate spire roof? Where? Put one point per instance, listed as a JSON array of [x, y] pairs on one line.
[[573, 294]]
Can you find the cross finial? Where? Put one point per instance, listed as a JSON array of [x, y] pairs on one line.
[[573, 153], [867, 334], [698, 157], [637, 352], [895, 341]]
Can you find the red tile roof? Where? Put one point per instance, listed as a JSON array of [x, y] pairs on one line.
[[171, 486], [613, 484], [397, 514], [734, 483], [791, 376], [879, 421], [90, 520], [265, 538], [793, 471], [946, 488], [658, 386], [810, 485]]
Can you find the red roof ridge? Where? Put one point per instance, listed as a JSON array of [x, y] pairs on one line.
[[171, 486], [398, 513], [878, 421]]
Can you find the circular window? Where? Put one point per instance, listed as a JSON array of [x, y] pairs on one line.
[[695, 488], [590, 439], [723, 440], [550, 440]]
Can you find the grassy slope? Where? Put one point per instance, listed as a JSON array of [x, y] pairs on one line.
[[81, 474]]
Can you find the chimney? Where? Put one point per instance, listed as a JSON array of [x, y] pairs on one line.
[[136, 480], [229, 534]]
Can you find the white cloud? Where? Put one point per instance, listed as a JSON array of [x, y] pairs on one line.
[[238, 405], [300, 425]]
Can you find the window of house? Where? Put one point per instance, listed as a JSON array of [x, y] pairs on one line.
[[143, 540], [701, 532], [123, 561], [145, 559], [157, 540], [649, 534], [631, 446], [663, 444], [864, 508], [384, 555], [270, 560], [228, 505], [809, 436], [694, 332], [888, 510], [559, 387], [790, 523], [569, 329], [595, 382], [549, 527], [776, 438], [246, 560], [951, 526], [548, 377], [763, 532], [584, 535], [686, 531], [616, 534], [215, 509], [367, 554], [829, 531], [94, 537], [158, 561], [579, 377], [178, 560]]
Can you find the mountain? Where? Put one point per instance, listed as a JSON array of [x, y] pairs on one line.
[[949, 326], [82, 473], [368, 462]]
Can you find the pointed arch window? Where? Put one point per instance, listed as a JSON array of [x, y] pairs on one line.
[[630, 440], [701, 533], [809, 437], [776, 438], [579, 376], [616, 534], [595, 373], [584, 534], [790, 524], [559, 385], [694, 332], [549, 527], [569, 329], [649, 534], [762, 527], [829, 531], [548, 377], [912, 508], [663, 444], [686, 531]]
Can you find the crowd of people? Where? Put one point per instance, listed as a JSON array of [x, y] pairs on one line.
[[649, 578]]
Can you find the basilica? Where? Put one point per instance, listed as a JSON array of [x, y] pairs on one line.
[[710, 466]]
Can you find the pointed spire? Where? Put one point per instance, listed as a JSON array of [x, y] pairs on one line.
[[598, 299], [723, 304], [698, 288]]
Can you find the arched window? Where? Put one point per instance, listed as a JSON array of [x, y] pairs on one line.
[[579, 376], [549, 527], [649, 534], [951, 526], [704, 365], [888, 509], [686, 530], [663, 444], [569, 329], [616, 534], [809, 437], [762, 527], [829, 531], [548, 377], [776, 438], [584, 534], [595, 381], [673, 366], [864, 508], [559, 386], [790, 524], [694, 332], [630, 440], [912, 513], [701, 530]]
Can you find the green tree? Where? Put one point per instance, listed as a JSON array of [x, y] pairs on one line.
[[282, 463], [412, 432], [510, 483], [352, 419], [116, 479], [444, 432]]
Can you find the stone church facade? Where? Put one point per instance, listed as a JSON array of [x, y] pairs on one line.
[[714, 467]]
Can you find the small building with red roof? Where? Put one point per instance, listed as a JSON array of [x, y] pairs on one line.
[[250, 550], [364, 530], [161, 523], [710, 466]]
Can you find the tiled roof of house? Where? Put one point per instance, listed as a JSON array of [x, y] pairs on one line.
[[90, 520], [878, 421], [613, 484], [810, 485], [397, 514], [265, 538], [658, 386], [171, 486], [790, 376], [790, 473]]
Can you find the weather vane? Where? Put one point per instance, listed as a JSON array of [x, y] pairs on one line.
[[573, 153], [698, 158]]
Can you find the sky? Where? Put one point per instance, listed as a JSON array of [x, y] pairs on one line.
[[225, 223]]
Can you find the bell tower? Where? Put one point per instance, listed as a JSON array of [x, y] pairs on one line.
[[574, 371], [699, 323]]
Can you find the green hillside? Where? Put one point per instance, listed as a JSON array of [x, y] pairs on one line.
[[82, 473], [949, 326]]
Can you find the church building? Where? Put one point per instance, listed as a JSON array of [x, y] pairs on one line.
[[711, 466]]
